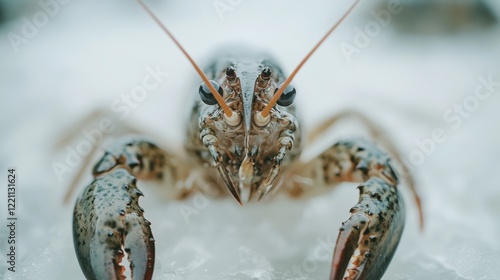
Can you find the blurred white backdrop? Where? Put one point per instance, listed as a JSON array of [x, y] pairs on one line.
[[426, 61]]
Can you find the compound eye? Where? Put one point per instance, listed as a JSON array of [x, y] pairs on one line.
[[206, 95], [286, 99], [266, 73]]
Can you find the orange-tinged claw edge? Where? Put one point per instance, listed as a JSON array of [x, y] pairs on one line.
[[108, 224], [368, 239]]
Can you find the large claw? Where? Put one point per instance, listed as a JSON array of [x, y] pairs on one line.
[[368, 239], [107, 224]]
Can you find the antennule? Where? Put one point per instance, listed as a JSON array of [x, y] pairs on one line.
[[227, 111], [277, 95]]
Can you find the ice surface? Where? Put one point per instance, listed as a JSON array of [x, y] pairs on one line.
[[92, 52]]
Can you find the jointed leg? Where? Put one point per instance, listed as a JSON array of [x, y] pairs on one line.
[[94, 122], [380, 136]]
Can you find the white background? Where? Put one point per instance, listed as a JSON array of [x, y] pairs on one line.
[[92, 52]]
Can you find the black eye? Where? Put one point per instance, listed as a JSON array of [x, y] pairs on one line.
[[206, 95], [286, 99]]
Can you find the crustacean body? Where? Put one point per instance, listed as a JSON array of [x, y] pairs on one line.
[[243, 139]]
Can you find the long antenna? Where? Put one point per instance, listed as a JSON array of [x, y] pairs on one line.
[[220, 100], [277, 95]]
